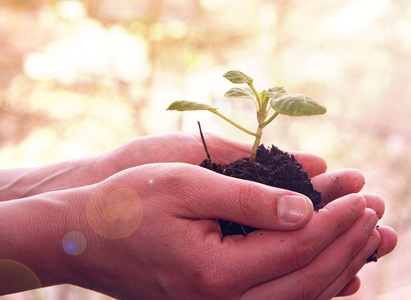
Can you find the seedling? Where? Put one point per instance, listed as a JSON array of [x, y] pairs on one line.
[[275, 98]]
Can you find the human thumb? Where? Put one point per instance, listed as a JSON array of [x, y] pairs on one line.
[[241, 201]]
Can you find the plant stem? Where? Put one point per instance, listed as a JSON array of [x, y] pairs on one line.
[[257, 96], [214, 111], [261, 116], [257, 141], [262, 123], [270, 119], [204, 142]]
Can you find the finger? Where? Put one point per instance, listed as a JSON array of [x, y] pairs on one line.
[[354, 266], [376, 203], [203, 194], [222, 150], [326, 267], [336, 184], [384, 238], [312, 164], [226, 151], [278, 253], [173, 147], [389, 240], [387, 244], [351, 288]]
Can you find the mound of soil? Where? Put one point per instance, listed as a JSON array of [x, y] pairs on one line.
[[272, 167]]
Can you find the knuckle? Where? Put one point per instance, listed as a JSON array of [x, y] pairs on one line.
[[170, 181], [303, 254], [245, 196], [172, 175], [249, 198], [337, 224], [311, 288], [214, 283]]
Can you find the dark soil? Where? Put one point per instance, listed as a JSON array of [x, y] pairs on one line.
[[272, 167]]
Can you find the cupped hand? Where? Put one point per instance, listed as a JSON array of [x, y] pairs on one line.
[[177, 250], [186, 148], [174, 147], [339, 183]]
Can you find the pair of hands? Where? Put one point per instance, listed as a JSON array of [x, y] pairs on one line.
[[177, 250], [148, 214]]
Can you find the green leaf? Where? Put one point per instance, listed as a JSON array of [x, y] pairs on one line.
[[237, 77], [240, 92], [297, 105], [183, 105], [277, 91]]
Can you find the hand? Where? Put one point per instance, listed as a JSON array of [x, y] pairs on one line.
[[337, 184], [148, 252], [349, 181], [177, 251], [175, 147], [186, 148]]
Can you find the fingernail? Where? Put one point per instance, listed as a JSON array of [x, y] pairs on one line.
[[371, 223], [360, 206], [372, 245], [292, 208]]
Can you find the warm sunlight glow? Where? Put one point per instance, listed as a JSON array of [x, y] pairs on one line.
[[71, 9], [81, 77], [91, 53], [352, 18]]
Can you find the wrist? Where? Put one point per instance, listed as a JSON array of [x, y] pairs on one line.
[[31, 233], [26, 182]]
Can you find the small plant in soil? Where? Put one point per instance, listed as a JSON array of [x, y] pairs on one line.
[[269, 166]]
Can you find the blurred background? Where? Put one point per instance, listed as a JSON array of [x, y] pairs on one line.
[[82, 77]]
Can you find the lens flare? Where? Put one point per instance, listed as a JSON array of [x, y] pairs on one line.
[[114, 211], [74, 243], [16, 277]]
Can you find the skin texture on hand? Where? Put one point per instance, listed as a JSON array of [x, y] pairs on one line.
[[177, 251], [176, 147], [198, 263], [151, 231]]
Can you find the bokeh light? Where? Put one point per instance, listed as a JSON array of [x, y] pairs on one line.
[[14, 274], [114, 211], [74, 243], [80, 77]]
